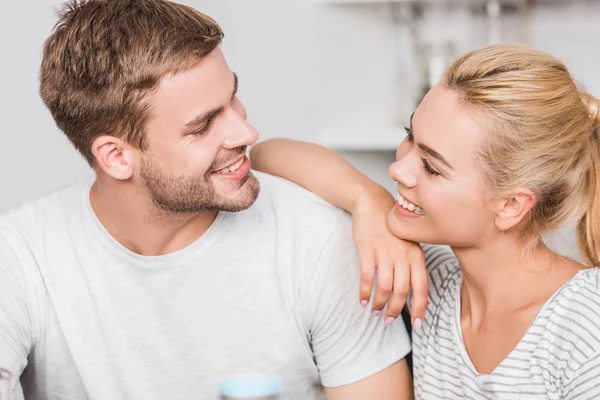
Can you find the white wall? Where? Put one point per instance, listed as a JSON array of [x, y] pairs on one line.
[[34, 156], [270, 44]]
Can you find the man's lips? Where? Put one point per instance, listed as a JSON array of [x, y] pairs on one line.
[[217, 170], [237, 171]]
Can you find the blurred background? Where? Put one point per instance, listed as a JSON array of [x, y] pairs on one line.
[[343, 73]]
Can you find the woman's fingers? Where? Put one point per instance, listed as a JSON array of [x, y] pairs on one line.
[[399, 293], [367, 273], [385, 282], [418, 281]]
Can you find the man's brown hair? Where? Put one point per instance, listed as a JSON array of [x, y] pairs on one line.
[[104, 56]]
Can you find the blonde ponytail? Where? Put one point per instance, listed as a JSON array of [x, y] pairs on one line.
[[588, 228]]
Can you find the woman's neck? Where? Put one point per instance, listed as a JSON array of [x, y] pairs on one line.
[[499, 280]]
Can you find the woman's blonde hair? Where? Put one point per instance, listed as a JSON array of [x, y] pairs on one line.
[[542, 133]]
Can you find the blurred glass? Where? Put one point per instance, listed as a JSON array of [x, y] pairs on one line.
[[5, 385], [250, 389]]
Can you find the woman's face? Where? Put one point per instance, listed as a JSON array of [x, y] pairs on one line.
[[442, 197]]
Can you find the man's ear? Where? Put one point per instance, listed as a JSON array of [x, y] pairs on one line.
[[511, 210], [114, 156]]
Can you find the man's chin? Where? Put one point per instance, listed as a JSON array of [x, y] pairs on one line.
[[241, 198]]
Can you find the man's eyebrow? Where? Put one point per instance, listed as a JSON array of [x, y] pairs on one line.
[[429, 150], [202, 118], [205, 116], [235, 85]]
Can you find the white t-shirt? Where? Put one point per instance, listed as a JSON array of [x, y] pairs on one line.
[[558, 358], [272, 291]]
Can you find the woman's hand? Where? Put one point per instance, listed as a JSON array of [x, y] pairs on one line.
[[400, 264]]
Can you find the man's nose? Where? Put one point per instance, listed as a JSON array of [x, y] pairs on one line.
[[239, 131]]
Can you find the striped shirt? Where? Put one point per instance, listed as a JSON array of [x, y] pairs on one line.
[[557, 358]]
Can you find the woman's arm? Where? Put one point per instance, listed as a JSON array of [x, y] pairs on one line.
[[319, 170], [400, 264]]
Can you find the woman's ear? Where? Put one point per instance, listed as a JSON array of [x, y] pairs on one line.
[[113, 156], [511, 210]]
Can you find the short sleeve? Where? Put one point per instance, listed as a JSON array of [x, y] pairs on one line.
[[16, 326], [348, 343], [585, 384]]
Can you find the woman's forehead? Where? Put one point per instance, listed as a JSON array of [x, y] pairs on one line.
[[442, 123]]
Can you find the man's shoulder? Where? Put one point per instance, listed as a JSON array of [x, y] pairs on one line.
[[300, 216], [42, 214], [283, 189], [287, 198]]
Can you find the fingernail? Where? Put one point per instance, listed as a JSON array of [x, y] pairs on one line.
[[376, 313], [364, 303], [418, 324], [389, 321]]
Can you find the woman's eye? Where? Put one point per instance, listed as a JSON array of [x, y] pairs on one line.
[[409, 134], [428, 169]]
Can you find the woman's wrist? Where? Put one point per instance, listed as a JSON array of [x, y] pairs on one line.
[[372, 199]]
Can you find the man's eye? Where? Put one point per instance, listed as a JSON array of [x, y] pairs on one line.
[[205, 128]]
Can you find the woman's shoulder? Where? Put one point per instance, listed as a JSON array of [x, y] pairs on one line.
[[589, 278], [565, 337], [581, 293], [581, 296], [571, 319], [443, 272], [440, 261]]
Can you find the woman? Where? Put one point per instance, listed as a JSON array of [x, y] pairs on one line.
[[503, 150]]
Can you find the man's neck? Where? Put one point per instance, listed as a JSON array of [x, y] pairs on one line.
[[139, 225]]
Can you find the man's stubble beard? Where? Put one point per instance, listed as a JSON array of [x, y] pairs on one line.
[[193, 195]]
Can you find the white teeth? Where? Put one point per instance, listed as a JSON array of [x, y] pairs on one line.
[[232, 168], [408, 205]]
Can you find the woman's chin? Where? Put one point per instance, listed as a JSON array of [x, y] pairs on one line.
[[408, 228]]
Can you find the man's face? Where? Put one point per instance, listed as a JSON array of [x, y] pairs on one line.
[[197, 140]]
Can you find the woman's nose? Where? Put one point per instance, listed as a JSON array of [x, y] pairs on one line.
[[400, 173]]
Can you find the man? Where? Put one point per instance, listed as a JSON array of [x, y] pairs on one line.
[[170, 272]]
